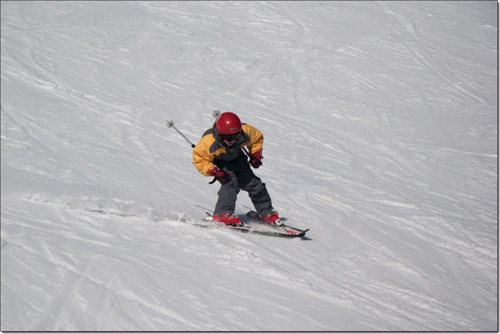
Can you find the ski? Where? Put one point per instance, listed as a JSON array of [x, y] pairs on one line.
[[246, 228], [285, 228]]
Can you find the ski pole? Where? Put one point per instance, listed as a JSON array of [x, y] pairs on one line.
[[170, 124]]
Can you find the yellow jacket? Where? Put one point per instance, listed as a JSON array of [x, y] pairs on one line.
[[210, 148]]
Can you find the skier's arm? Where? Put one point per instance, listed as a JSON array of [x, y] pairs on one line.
[[202, 158], [256, 138]]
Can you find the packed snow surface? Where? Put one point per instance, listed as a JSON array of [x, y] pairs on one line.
[[380, 124]]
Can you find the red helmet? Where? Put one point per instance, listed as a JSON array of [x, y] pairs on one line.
[[228, 124]]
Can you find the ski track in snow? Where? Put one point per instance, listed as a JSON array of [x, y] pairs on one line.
[[380, 125]]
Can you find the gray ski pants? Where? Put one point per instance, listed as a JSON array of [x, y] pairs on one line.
[[242, 178]]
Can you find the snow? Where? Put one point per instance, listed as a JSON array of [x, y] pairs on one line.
[[380, 123]]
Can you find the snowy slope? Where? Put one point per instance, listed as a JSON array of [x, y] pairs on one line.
[[380, 124]]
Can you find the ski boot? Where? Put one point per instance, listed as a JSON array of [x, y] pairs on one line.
[[272, 218], [229, 219]]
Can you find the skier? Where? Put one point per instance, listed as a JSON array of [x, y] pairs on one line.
[[220, 154]]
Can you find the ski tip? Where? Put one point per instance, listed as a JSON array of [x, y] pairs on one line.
[[302, 233]]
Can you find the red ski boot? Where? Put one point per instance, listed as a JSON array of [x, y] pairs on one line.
[[228, 219], [272, 218]]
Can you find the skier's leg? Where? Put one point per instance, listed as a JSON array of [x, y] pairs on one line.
[[228, 192], [257, 192]]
